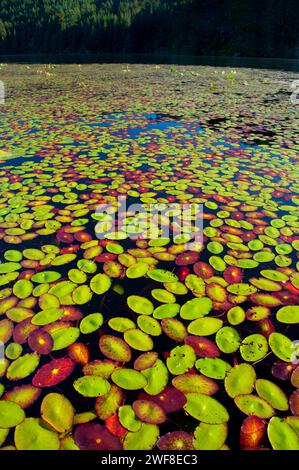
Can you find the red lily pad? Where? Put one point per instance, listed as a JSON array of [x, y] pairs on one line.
[[203, 347], [79, 353], [90, 436], [40, 341], [146, 360], [149, 411], [294, 403], [53, 373], [170, 399], [283, 370], [22, 331], [177, 440], [203, 270], [186, 258], [252, 433]]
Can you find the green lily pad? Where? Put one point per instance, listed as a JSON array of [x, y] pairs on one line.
[[91, 386], [9, 267], [204, 326], [210, 436], [252, 405], [58, 412], [46, 277], [195, 284], [149, 325], [140, 305], [121, 324], [129, 379], [128, 419], [174, 329], [240, 380], [22, 288], [138, 340], [166, 311], [228, 339], [163, 296], [64, 337], [22, 367], [181, 359], [11, 414], [32, 434], [288, 314], [157, 378], [281, 346], [236, 315], [144, 439], [137, 270], [45, 317], [161, 275], [254, 347], [196, 308], [91, 323], [206, 409], [241, 289], [13, 351], [194, 383], [272, 394], [63, 259], [100, 284], [213, 367], [281, 435], [82, 295]]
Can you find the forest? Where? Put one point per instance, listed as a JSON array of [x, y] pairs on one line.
[[252, 28]]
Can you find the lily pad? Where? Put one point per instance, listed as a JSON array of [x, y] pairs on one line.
[[100, 284], [210, 436], [181, 359], [128, 418], [22, 367], [204, 326], [91, 323], [252, 405], [157, 378], [177, 440], [281, 346], [144, 439], [58, 412], [129, 379], [115, 348], [149, 412], [272, 394], [206, 409], [228, 339], [281, 435], [161, 275], [138, 340], [288, 314], [53, 373], [194, 383], [11, 414], [140, 305], [196, 308], [254, 347], [240, 380], [91, 386], [215, 368], [107, 405], [32, 434]]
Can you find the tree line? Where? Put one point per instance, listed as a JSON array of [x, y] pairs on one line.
[[260, 28]]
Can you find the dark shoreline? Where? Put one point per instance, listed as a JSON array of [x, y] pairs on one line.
[[171, 59]]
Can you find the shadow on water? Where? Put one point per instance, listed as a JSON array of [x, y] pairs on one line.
[[175, 59]]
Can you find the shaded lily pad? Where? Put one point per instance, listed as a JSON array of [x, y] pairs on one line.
[[252, 433], [24, 395], [91, 436], [177, 440]]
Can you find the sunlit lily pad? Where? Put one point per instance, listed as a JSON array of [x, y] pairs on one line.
[[91, 386], [91, 323], [252, 405], [100, 284], [63, 337], [46, 277], [206, 409], [273, 394], [128, 418], [24, 395], [240, 380], [181, 359], [215, 368], [196, 308], [195, 383], [281, 435], [157, 378], [23, 366], [138, 340], [57, 411], [228, 339], [11, 414], [32, 434], [210, 436], [281, 346], [254, 347], [205, 326], [107, 405], [129, 379], [140, 305], [149, 411], [288, 314], [144, 439]]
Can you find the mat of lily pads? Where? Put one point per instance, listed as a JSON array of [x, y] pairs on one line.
[[143, 344]]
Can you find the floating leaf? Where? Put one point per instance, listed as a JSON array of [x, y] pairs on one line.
[[53, 373], [129, 379], [63, 337], [196, 308], [240, 380], [149, 412], [144, 439], [252, 433], [281, 346], [210, 436], [181, 359], [157, 378], [252, 405], [205, 326], [11, 414], [205, 409], [32, 434], [228, 339], [215, 368], [281, 435], [128, 418], [161, 275], [194, 383], [91, 386], [22, 367], [115, 348], [138, 340], [91, 323], [288, 314], [177, 440], [24, 395], [58, 412], [272, 394], [100, 284], [140, 305], [254, 347], [107, 405], [92, 436]]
